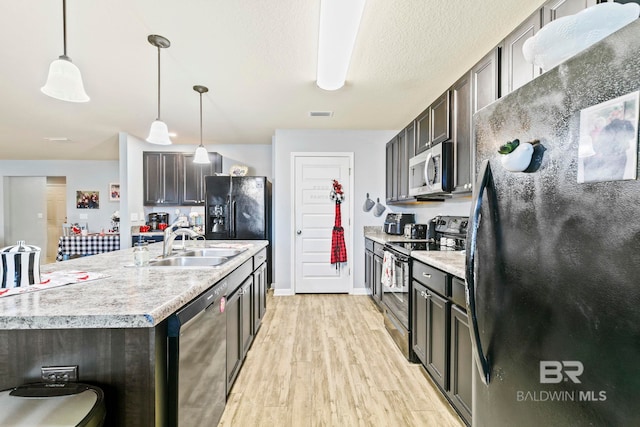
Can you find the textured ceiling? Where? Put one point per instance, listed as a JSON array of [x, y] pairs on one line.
[[257, 58]]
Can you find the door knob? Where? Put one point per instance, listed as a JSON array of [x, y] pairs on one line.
[[299, 232]]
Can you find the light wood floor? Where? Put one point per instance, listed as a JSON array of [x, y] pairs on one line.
[[326, 360]]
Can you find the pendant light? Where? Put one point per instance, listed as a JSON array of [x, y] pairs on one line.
[[159, 133], [64, 81], [201, 155]]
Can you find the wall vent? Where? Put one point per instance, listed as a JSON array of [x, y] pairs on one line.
[[320, 113]]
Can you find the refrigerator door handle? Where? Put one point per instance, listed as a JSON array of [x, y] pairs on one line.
[[481, 360], [233, 217]]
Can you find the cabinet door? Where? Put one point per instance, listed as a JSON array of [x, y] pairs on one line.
[[437, 338], [259, 296], [390, 168], [423, 131], [419, 322], [515, 70], [461, 363], [461, 124], [161, 176], [441, 118], [377, 280], [246, 308], [234, 345], [484, 76], [368, 272], [193, 191], [555, 9], [403, 166]]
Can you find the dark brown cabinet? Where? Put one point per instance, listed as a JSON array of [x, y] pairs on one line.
[[555, 9], [192, 188], [440, 334], [398, 152], [259, 298], [373, 270], [462, 141], [172, 179], [161, 173], [516, 71], [485, 83], [461, 363], [423, 131], [246, 307], [441, 118], [392, 171]]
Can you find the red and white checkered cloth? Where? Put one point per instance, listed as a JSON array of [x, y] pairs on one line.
[[87, 245], [338, 247]]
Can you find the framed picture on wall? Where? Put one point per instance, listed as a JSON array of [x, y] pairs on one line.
[[114, 192], [88, 199]]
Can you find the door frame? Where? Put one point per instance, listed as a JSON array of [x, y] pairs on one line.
[[292, 227]]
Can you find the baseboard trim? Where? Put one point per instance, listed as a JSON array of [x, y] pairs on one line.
[[359, 291], [283, 292]]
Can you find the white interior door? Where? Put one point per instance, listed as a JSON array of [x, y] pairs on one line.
[[314, 220], [27, 212], [56, 216]]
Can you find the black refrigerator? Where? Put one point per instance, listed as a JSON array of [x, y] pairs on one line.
[[237, 207], [553, 252]]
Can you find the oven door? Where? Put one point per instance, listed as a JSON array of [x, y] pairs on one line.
[[396, 296]]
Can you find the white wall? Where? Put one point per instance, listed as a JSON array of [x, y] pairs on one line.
[[257, 157], [80, 175], [369, 177]]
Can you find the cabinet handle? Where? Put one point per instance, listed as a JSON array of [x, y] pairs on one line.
[[427, 275], [428, 295]]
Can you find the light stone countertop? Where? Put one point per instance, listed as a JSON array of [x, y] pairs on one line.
[[452, 262], [132, 297]]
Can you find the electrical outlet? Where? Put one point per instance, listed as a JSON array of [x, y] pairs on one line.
[[59, 374]]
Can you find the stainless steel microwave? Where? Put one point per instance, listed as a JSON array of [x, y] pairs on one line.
[[431, 172]]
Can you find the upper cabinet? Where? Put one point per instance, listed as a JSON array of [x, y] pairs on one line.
[[441, 118], [399, 150], [461, 126], [172, 179], [555, 9], [161, 178], [423, 131], [484, 78], [193, 178], [516, 71]]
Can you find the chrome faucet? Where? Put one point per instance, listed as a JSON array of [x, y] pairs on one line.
[[172, 232]]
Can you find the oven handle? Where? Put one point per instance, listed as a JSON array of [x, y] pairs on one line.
[[482, 362]]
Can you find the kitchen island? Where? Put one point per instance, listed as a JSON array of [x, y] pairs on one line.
[[114, 328]]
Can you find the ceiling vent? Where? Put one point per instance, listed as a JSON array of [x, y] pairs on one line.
[[320, 113]]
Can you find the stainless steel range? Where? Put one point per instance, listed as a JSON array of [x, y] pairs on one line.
[[449, 235]]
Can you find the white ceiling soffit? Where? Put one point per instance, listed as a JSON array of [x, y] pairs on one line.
[[258, 59]]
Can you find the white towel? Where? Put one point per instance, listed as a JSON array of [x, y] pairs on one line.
[[388, 270]]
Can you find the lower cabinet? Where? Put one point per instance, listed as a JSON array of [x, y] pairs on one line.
[[430, 331], [440, 334], [460, 363], [245, 307], [373, 270]]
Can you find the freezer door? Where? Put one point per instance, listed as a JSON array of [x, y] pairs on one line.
[[249, 208]]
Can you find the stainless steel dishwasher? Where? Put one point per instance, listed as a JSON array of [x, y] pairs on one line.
[[197, 337]]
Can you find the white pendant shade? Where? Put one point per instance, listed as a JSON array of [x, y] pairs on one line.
[[159, 133], [64, 82], [201, 155], [339, 22]]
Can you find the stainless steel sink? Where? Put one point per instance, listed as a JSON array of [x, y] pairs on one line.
[[212, 252], [182, 261]]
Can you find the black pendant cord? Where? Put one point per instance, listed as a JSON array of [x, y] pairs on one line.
[[158, 83], [201, 119], [64, 26]]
